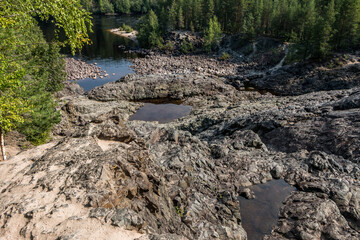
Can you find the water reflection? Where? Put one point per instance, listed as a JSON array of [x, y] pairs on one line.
[[106, 44], [259, 215], [106, 49]]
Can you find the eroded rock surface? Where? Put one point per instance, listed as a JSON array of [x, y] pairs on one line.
[[181, 180]]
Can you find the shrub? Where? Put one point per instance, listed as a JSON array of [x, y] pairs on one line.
[[225, 56], [179, 211], [186, 47], [169, 46], [126, 28]]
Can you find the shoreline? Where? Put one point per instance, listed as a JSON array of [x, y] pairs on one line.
[[132, 35]]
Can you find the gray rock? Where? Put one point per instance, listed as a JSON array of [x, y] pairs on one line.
[[182, 179], [126, 218]]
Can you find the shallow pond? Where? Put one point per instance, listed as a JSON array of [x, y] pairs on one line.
[[161, 112], [260, 215]]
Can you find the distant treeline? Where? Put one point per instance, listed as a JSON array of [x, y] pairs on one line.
[[118, 6], [317, 26]]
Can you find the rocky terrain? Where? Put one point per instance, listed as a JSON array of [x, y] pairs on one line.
[[109, 178], [77, 69], [162, 64]]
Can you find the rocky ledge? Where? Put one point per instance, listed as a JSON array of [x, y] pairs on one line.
[[110, 178]]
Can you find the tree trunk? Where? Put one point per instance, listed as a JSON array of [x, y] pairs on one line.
[[2, 144]]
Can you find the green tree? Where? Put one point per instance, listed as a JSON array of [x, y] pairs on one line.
[[323, 30], [106, 6], [12, 105], [122, 6], [212, 34], [347, 23], [17, 26], [149, 32], [44, 76], [88, 5], [208, 10], [172, 15], [180, 19]]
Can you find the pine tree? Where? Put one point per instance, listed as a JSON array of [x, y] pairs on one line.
[[12, 104], [347, 22], [149, 31], [172, 15], [323, 30], [197, 15], [180, 19], [212, 34], [163, 20], [208, 11], [307, 29], [122, 6]]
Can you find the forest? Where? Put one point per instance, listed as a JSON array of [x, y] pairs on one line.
[[118, 6], [317, 27]]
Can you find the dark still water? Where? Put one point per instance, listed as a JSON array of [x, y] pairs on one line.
[[106, 49], [105, 45], [161, 112], [260, 215]]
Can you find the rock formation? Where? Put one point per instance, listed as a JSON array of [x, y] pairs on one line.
[[105, 176]]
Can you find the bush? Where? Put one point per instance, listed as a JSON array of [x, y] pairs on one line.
[[169, 46], [186, 47], [225, 56], [38, 123], [126, 28]]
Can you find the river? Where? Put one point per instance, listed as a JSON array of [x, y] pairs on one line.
[[105, 49]]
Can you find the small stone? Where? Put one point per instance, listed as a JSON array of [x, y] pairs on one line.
[[247, 193], [277, 171], [218, 151]]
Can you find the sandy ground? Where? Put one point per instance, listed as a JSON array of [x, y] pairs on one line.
[[51, 214], [132, 35]]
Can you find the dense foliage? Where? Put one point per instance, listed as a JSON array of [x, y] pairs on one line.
[[32, 69], [118, 6], [316, 26], [126, 28], [212, 34], [149, 31]]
